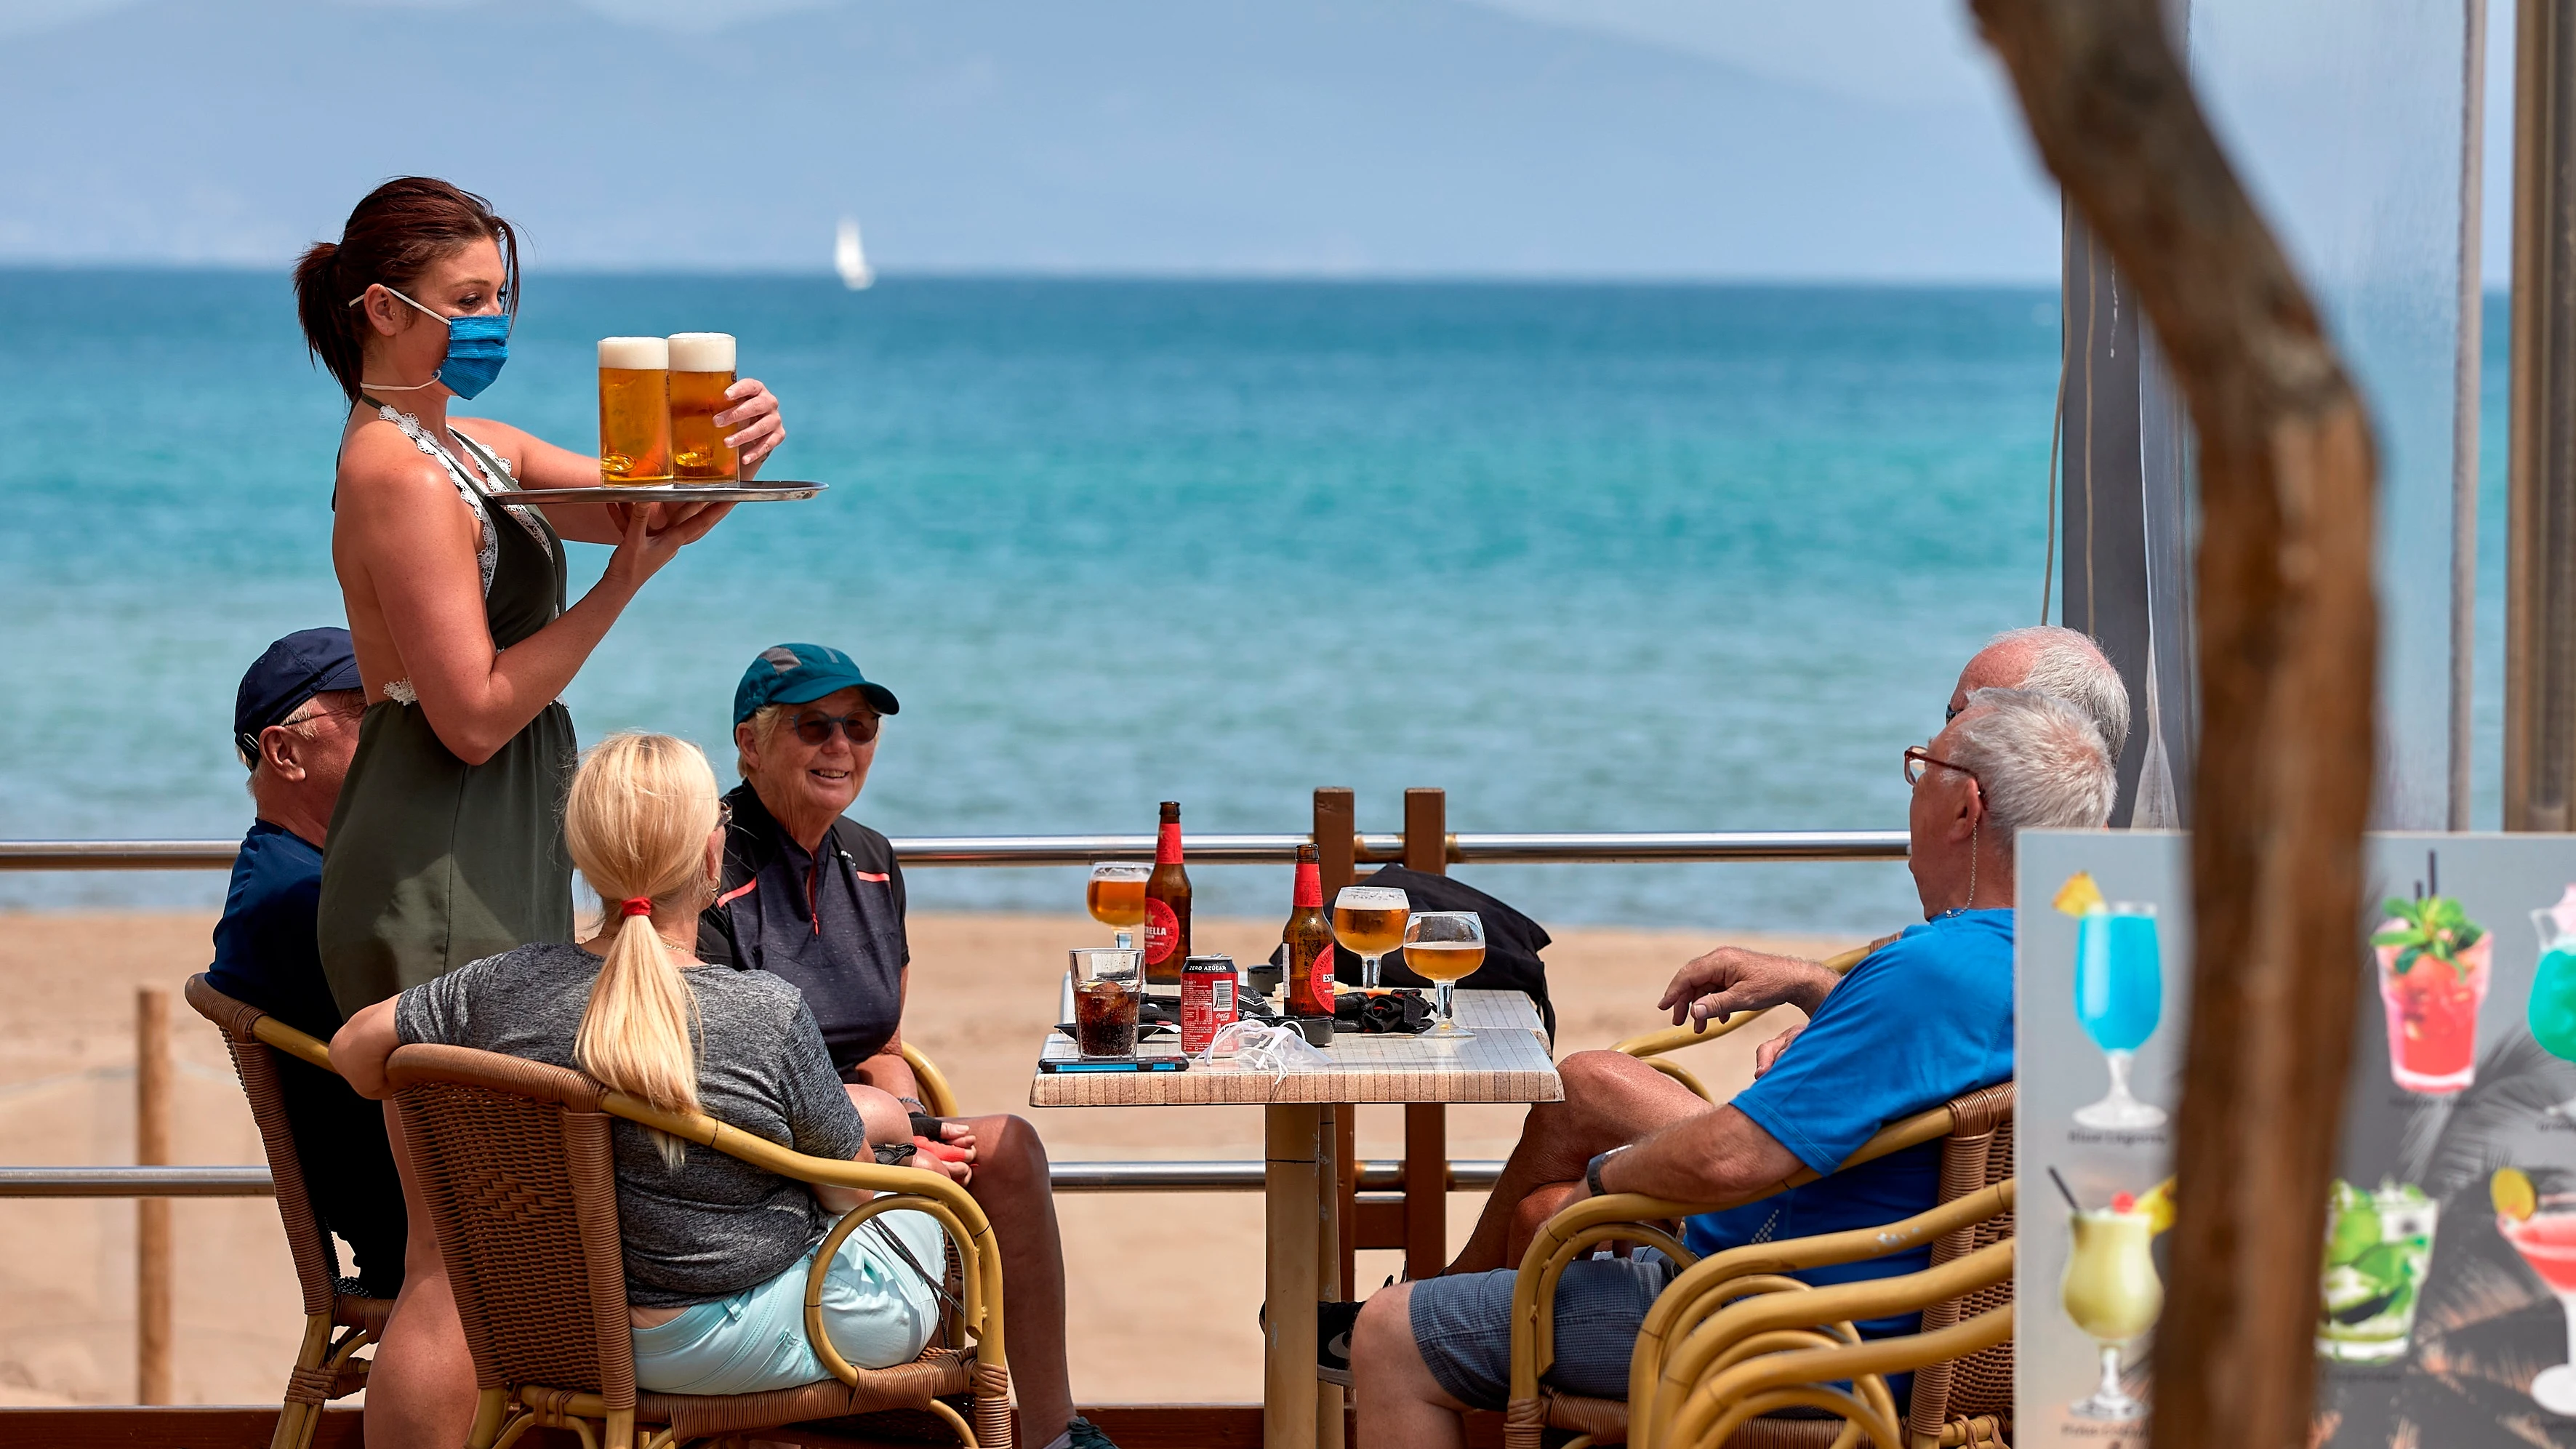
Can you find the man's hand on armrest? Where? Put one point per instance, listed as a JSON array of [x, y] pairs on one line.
[[1719, 1157], [1731, 979]]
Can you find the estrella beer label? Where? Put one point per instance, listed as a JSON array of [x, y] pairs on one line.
[[1162, 931]]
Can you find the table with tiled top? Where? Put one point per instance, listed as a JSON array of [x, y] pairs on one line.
[[1507, 1060]]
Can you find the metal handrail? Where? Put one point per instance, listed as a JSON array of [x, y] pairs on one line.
[[1571, 847], [254, 1181]]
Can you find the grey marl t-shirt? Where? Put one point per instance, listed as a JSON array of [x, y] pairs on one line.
[[717, 1225]]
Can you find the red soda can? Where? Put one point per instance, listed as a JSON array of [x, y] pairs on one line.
[[1207, 1000]]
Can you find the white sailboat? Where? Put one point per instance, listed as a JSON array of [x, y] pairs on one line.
[[850, 260]]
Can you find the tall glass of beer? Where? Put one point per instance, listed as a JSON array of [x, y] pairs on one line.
[[701, 370], [634, 410]]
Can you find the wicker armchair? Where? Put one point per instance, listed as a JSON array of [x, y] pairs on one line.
[[514, 1159], [339, 1319], [1957, 1401]]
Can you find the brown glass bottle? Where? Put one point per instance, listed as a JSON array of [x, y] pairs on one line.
[[1309, 938], [1167, 909]]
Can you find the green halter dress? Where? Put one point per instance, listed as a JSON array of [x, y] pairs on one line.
[[432, 862]]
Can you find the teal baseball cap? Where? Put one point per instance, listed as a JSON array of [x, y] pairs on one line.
[[801, 674]]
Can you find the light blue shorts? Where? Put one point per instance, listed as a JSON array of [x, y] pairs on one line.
[[877, 1310]]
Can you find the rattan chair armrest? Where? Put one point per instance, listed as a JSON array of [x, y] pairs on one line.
[[1687, 1362], [1716, 1408], [732, 1141], [937, 1097], [1710, 1285], [296, 1044], [1673, 1038]]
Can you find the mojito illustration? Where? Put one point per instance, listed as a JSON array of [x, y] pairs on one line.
[[2378, 1246], [2432, 976], [2543, 1231], [2552, 1010]]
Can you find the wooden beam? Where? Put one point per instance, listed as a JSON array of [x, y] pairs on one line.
[[2287, 653], [1426, 831], [1335, 842]]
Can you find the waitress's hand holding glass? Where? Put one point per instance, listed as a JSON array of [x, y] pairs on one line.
[[1446, 947]]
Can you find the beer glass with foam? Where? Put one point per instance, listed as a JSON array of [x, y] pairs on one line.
[[634, 410], [701, 370]]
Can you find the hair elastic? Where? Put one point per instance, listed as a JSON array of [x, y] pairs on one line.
[[636, 906]]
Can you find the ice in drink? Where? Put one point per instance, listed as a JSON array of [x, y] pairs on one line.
[[1104, 1020], [702, 367], [2379, 1246]]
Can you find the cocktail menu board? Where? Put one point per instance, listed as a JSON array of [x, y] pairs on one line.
[[2446, 1258]]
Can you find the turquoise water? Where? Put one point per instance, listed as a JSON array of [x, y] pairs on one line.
[[1590, 557]]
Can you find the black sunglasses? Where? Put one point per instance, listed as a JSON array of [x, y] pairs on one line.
[[815, 729]]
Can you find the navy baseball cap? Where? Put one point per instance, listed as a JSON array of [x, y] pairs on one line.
[[293, 670], [802, 674]]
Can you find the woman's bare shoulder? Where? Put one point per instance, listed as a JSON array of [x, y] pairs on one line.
[[382, 469]]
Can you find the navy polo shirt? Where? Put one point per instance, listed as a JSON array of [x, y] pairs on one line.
[[830, 922], [265, 952]]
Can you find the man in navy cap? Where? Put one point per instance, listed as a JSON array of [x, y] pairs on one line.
[[817, 898], [295, 725]]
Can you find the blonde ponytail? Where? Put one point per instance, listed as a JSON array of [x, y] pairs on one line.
[[636, 821]]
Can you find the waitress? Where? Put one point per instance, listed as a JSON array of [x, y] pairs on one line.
[[446, 846]]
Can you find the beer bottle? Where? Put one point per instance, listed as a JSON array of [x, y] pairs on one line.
[[1167, 909], [1309, 937]]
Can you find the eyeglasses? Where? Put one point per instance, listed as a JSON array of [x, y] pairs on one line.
[[1917, 757], [724, 815], [815, 729]]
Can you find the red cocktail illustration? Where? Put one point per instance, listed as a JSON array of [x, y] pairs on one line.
[[2432, 976], [2543, 1231]]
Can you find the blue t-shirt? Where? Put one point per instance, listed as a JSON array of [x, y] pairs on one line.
[[1926, 1018], [265, 952]]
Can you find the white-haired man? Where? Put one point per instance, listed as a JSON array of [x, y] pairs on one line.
[[1923, 1019]]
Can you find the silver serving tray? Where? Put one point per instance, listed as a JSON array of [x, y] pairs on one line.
[[759, 490]]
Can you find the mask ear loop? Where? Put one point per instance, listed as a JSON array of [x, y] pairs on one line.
[[399, 386]]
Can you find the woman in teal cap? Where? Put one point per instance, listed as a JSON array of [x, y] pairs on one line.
[[446, 846]]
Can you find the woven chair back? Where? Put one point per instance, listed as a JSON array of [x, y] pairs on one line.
[[1977, 1154], [260, 1068], [513, 1157]]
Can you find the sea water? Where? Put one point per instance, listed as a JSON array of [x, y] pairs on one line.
[[1613, 557]]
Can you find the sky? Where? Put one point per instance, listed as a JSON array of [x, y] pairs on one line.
[[1867, 140]]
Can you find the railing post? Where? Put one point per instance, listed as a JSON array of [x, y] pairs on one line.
[[152, 1214], [1336, 849], [1335, 845], [1426, 1124]]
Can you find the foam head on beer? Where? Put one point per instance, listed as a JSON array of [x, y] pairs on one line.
[[635, 354], [701, 351]]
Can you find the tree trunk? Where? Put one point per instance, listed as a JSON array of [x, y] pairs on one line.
[[2287, 659]]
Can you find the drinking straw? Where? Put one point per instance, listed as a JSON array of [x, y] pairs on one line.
[[2433, 871], [2067, 1192]]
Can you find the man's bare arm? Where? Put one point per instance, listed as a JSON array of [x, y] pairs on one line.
[[1720, 1157]]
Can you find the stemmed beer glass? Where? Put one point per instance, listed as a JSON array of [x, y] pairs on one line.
[[1369, 922], [1117, 896], [1446, 947]]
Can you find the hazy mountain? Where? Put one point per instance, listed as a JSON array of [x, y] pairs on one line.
[[1132, 135]]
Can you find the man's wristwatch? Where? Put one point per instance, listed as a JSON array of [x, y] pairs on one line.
[[1592, 1171]]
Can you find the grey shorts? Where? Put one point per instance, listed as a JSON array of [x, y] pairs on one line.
[[1463, 1326]]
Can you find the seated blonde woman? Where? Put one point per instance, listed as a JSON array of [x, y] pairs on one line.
[[717, 1250]]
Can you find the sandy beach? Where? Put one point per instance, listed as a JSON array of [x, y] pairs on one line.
[[983, 993]]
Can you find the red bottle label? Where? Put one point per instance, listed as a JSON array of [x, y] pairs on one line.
[[1310, 887], [1207, 1005], [1162, 931], [1167, 844]]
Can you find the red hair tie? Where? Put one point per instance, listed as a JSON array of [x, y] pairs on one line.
[[637, 906]]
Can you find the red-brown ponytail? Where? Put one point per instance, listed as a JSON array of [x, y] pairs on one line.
[[393, 236]]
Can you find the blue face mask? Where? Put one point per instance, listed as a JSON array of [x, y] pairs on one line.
[[476, 348]]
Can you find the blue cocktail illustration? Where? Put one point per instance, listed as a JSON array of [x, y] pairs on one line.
[[2119, 998]]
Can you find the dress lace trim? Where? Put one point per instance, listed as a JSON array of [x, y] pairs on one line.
[[487, 548], [401, 692]]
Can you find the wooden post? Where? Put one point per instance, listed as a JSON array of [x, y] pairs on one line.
[[1293, 1210], [1336, 863], [1335, 849], [1426, 831], [2287, 653], [1331, 1228], [1426, 1124], [152, 1214]]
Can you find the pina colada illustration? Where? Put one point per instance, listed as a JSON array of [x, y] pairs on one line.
[[2543, 1231], [2432, 975], [2111, 1290], [2119, 993], [2378, 1247], [2552, 1011]]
